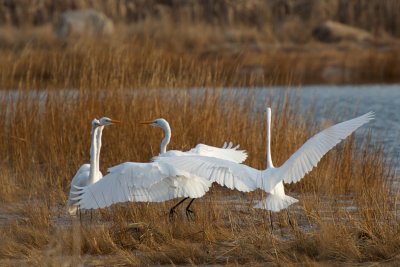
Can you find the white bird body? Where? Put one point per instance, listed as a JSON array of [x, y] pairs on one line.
[[244, 178], [141, 182], [189, 174], [154, 181], [277, 199], [88, 173]]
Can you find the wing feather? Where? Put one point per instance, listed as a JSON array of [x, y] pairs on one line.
[[308, 156], [224, 172], [80, 179], [137, 174], [227, 152], [120, 184], [143, 182]]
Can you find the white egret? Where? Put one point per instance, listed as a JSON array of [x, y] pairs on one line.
[[277, 199], [89, 173], [155, 181], [244, 178]]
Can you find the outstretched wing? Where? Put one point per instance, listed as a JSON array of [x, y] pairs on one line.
[[132, 181], [137, 175], [224, 172], [120, 184], [227, 152], [308, 156], [173, 187]]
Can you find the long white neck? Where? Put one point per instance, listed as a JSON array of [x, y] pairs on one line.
[[99, 134], [93, 156], [166, 139], [269, 158]]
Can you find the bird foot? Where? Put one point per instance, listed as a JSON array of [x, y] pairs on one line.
[[190, 215]]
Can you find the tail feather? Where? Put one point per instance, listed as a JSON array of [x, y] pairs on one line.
[[275, 203]]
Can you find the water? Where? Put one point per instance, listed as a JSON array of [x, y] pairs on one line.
[[345, 101], [348, 102]]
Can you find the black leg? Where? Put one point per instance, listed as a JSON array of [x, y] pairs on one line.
[[189, 213], [172, 210], [270, 220]]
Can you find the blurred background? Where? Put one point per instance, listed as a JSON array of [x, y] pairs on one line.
[[268, 41]]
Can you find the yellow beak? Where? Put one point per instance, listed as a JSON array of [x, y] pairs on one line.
[[115, 121]]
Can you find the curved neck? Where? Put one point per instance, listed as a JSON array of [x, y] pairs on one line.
[[166, 139], [93, 156], [269, 159], [99, 134]]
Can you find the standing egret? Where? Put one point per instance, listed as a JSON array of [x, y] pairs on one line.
[[89, 173], [277, 199], [244, 178], [154, 181]]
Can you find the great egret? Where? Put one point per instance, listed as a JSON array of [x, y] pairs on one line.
[[89, 173], [245, 178], [155, 181], [277, 199]]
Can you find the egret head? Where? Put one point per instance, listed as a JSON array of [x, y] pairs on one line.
[[162, 123], [267, 109], [95, 123], [107, 121]]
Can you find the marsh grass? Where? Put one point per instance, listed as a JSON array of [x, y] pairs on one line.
[[143, 56], [346, 212]]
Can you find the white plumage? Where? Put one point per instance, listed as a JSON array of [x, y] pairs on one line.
[[308, 156], [141, 182], [244, 178], [304, 159], [154, 181], [88, 173]]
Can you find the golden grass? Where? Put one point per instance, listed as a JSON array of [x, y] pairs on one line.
[[138, 62], [274, 16], [199, 43], [345, 214]]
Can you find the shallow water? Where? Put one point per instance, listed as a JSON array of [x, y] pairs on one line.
[[353, 100], [344, 101]]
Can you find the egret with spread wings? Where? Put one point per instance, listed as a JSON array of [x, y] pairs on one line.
[[245, 178], [155, 181]]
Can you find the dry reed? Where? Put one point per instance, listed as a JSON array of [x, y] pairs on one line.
[[346, 213], [372, 15]]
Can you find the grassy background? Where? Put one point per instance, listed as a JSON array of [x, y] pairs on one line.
[[278, 18], [347, 210], [254, 42]]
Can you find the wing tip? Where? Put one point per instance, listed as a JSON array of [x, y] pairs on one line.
[[369, 115]]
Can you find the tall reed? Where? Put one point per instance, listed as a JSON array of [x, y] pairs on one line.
[[346, 211]]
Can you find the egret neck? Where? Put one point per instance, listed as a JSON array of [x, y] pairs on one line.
[[99, 134], [93, 155], [166, 139], [269, 159]]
